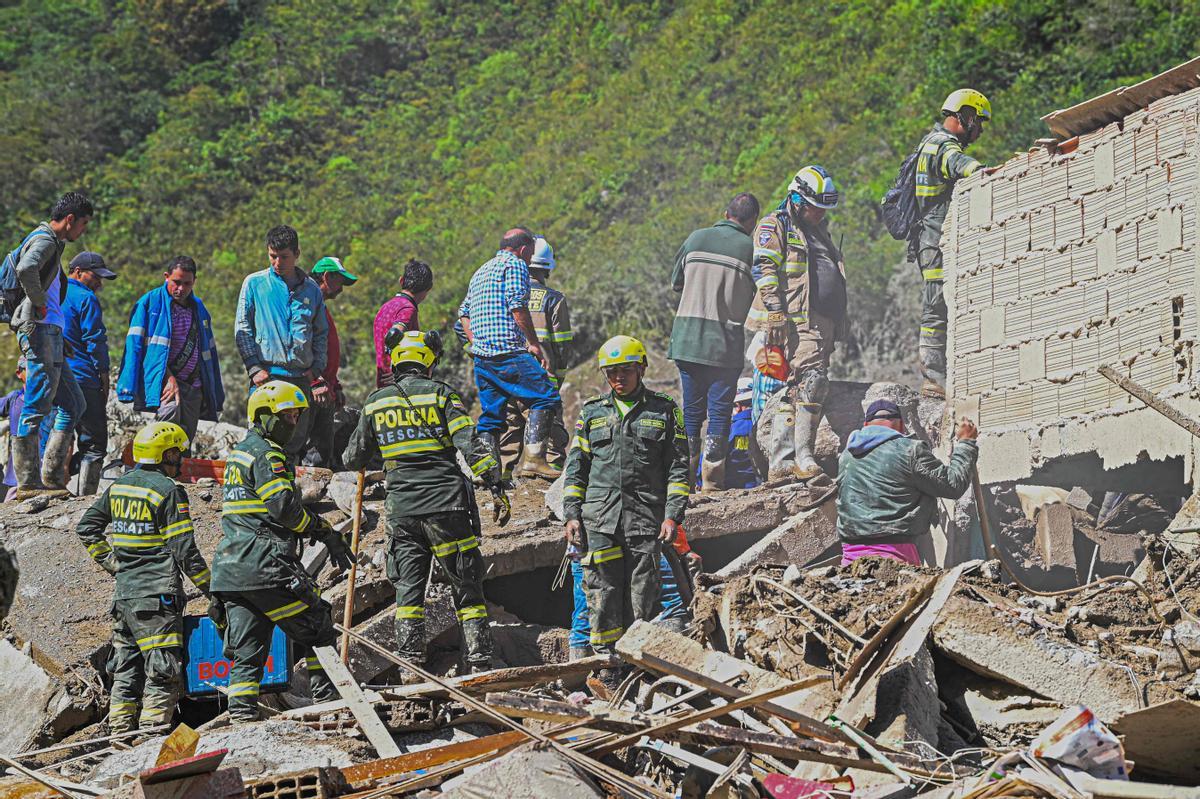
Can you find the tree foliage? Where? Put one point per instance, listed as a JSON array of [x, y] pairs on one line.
[[385, 130]]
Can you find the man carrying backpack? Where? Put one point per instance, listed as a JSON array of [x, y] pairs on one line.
[[34, 291], [940, 163]]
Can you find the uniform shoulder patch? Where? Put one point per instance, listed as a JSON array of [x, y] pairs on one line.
[[764, 237], [594, 398], [278, 467]]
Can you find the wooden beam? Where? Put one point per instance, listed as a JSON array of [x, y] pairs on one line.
[[1150, 399], [363, 712], [366, 774]]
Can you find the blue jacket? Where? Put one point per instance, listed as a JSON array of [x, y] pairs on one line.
[[148, 348], [739, 471], [281, 330], [84, 330]]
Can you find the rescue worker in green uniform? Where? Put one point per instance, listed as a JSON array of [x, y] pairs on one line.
[[940, 163], [152, 543], [552, 322], [801, 305], [625, 492], [416, 425], [257, 571]]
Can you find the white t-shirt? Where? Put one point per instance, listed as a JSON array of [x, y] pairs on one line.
[[54, 314]]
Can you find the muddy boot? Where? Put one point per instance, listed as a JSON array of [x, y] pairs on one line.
[[477, 644], [89, 476], [410, 644], [808, 417], [712, 470], [537, 435], [695, 447], [781, 453], [579, 653], [54, 460], [27, 466], [933, 369]]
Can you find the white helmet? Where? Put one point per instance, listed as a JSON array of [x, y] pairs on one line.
[[543, 254], [816, 186], [745, 390]]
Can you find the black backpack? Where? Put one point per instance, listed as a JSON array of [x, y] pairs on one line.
[[11, 293], [899, 203]]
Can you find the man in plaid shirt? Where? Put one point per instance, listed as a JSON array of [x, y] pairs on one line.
[[509, 361]]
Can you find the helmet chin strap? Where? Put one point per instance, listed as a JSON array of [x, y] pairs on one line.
[[275, 428]]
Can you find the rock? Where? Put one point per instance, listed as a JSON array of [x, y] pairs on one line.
[[312, 484], [798, 541], [554, 497], [268, 747], [527, 771], [38, 707], [36, 504], [342, 489]]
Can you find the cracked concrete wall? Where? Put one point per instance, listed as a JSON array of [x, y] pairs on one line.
[[1058, 264]]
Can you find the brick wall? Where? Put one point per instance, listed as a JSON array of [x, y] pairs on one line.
[[1057, 264]]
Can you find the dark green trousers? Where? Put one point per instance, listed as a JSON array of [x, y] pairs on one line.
[[451, 538], [146, 661], [304, 618], [622, 583]]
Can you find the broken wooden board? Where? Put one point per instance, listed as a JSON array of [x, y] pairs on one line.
[[357, 702], [521, 706], [1161, 741], [657, 649], [367, 774]]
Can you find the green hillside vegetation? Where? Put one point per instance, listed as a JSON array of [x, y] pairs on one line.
[[384, 130]]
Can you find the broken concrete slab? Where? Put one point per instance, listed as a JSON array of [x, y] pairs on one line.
[[801, 539], [1115, 553], [530, 770], [1161, 741], [268, 747], [1055, 536], [997, 645], [25, 689]]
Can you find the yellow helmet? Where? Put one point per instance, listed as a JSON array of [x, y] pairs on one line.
[[416, 347], [622, 349], [156, 438], [275, 396], [964, 98]]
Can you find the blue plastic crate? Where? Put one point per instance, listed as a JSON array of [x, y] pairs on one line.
[[206, 666]]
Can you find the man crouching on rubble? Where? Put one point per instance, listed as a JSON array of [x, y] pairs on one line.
[[151, 543], [626, 489], [890, 482]]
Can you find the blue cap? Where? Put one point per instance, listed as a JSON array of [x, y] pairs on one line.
[[882, 409]]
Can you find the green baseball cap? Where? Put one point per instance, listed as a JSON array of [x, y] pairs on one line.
[[331, 264]]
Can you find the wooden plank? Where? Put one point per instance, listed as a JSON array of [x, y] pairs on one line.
[[520, 706], [657, 649], [879, 638], [366, 774], [357, 702]]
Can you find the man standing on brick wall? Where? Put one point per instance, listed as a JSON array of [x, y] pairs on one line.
[[940, 162]]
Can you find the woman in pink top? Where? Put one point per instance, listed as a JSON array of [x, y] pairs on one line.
[[400, 314]]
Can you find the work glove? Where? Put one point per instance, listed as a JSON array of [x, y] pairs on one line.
[[216, 612], [337, 544], [777, 329], [109, 564], [501, 506]]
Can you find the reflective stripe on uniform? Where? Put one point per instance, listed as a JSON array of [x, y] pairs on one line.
[[137, 492], [201, 578], [800, 317], [573, 491], [561, 336], [313, 663], [414, 446], [677, 489], [159, 641], [154, 715], [178, 528], [273, 487], [305, 520], [458, 423], [410, 611], [767, 280], [599, 556], [241, 458], [583, 444], [933, 274], [137, 541], [774, 256], [483, 464], [243, 689], [607, 636], [119, 710], [99, 549], [472, 612], [414, 401], [930, 191], [239, 506], [287, 611], [450, 547]]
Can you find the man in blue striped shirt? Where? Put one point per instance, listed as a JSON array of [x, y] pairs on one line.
[[509, 361]]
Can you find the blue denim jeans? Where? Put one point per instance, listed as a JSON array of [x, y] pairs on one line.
[[514, 376], [708, 391], [49, 384]]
